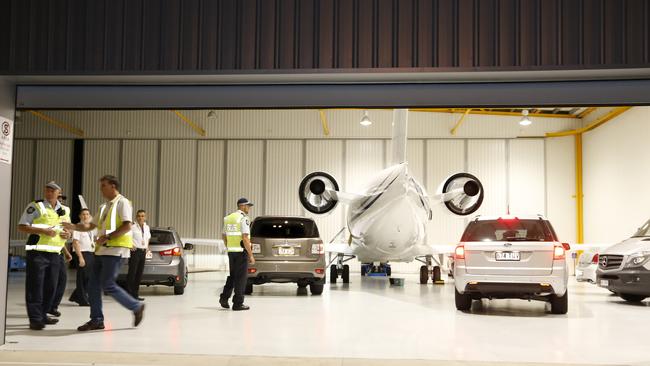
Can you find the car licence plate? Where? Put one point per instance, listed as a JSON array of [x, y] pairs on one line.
[[604, 283], [149, 255], [286, 251], [507, 256]]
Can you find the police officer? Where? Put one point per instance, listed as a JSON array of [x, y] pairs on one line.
[[236, 236], [43, 220], [64, 258]]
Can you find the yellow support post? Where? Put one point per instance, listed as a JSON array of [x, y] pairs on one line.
[[194, 126], [579, 192], [323, 121], [460, 121], [73, 130]]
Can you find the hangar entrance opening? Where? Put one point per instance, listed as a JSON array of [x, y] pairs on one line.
[[188, 167]]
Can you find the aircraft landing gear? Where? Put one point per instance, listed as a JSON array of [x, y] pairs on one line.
[[340, 269], [429, 269]]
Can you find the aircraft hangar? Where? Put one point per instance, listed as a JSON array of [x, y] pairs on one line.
[[382, 182]]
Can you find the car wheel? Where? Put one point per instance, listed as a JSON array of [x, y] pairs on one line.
[[424, 275], [632, 298], [437, 275], [388, 270], [560, 304], [463, 301], [249, 289], [316, 289], [333, 273], [302, 285], [346, 274], [179, 289]]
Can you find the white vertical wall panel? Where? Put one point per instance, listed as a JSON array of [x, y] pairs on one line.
[[560, 186], [616, 175], [526, 191], [210, 178], [53, 162], [486, 159], [284, 170], [326, 156], [444, 158], [245, 175], [363, 159], [100, 158], [22, 183], [177, 181], [140, 176]]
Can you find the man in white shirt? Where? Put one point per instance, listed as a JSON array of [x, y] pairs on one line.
[[141, 236], [84, 246], [114, 242]]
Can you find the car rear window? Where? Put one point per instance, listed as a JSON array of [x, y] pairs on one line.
[[284, 228], [161, 237], [509, 230]]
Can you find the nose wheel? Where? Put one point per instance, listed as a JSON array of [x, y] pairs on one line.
[[429, 270]]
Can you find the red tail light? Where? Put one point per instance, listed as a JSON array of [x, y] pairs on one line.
[[559, 252], [460, 252], [252, 270], [320, 270], [595, 258], [176, 252]]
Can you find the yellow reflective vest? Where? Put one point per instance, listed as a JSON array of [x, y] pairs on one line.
[[49, 218], [112, 221], [232, 226]]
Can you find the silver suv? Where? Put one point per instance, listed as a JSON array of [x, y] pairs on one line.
[[511, 257]]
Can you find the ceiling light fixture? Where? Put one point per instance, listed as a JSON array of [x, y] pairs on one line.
[[525, 121], [365, 120]]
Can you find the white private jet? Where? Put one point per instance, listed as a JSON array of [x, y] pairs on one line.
[[386, 221]]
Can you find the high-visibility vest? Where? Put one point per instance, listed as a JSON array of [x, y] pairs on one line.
[[112, 221], [49, 219], [232, 225]]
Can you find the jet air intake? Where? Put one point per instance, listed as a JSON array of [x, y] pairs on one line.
[[315, 192], [462, 193]]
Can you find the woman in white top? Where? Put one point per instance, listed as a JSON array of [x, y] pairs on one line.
[[84, 246]]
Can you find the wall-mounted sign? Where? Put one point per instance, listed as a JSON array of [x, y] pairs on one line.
[[6, 140]]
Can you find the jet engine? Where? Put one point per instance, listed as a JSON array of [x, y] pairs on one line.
[[462, 193], [317, 192]]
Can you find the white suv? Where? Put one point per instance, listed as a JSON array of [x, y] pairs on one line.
[[511, 257]]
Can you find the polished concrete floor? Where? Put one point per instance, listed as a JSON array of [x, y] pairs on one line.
[[367, 319]]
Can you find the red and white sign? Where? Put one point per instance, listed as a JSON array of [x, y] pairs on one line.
[[6, 140]]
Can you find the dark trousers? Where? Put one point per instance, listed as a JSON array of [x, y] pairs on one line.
[[136, 267], [238, 262], [40, 284], [80, 293], [62, 280], [102, 279]]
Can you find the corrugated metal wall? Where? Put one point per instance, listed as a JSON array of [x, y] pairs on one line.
[[210, 188], [526, 171], [284, 166], [22, 190], [100, 158], [278, 124], [487, 159], [140, 176], [177, 185], [137, 36]]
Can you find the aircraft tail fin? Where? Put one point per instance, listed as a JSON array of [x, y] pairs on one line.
[[400, 125]]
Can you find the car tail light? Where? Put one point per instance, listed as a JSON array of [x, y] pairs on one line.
[[176, 252], [460, 252], [320, 270], [595, 258], [558, 252], [317, 248], [252, 270]]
